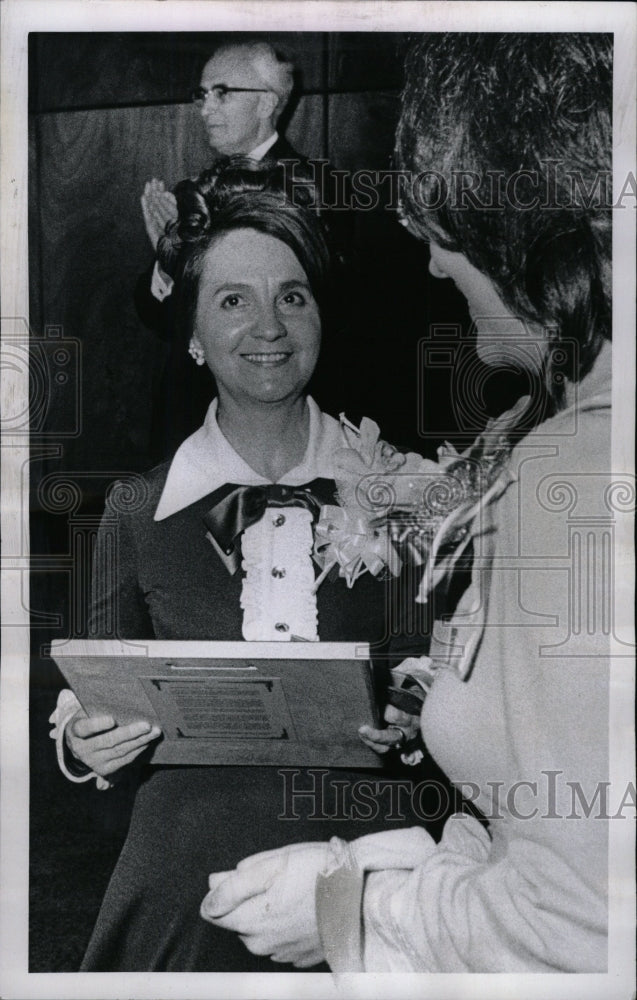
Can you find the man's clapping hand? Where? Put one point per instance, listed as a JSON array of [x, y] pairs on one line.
[[159, 207]]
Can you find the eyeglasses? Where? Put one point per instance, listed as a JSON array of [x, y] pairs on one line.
[[220, 91]]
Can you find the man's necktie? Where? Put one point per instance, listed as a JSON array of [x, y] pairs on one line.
[[235, 508]]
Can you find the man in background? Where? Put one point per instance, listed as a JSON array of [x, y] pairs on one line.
[[244, 89]]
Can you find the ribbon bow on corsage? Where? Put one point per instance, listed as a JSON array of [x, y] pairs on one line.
[[349, 536], [345, 538]]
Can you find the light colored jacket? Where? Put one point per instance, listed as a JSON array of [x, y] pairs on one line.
[[524, 735]]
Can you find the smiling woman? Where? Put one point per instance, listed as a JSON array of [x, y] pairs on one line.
[[252, 270], [257, 321], [251, 277]]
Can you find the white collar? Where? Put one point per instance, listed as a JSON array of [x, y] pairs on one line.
[[259, 151], [206, 460]]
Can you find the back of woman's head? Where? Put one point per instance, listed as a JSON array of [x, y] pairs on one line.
[[507, 138], [239, 193]]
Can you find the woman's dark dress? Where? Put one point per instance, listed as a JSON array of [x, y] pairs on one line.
[[169, 583]]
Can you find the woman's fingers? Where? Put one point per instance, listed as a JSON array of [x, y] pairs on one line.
[[83, 725], [102, 745], [117, 763], [400, 727], [256, 942], [120, 736], [380, 740], [293, 954], [228, 890], [125, 747], [106, 747], [252, 877], [308, 960], [298, 957], [278, 853], [396, 716], [387, 736]]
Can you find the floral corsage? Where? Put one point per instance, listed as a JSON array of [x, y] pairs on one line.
[[349, 536], [395, 507]]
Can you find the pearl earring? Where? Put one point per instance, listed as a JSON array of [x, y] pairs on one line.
[[196, 352]]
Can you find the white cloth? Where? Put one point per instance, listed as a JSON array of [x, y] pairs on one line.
[[278, 597], [161, 285], [264, 147], [67, 706]]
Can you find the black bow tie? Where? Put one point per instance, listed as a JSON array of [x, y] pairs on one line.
[[235, 508]]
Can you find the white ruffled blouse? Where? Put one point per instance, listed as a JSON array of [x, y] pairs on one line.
[[277, 597]]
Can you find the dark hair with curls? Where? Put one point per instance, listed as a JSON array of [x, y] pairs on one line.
[[497, 104], [239, 193]]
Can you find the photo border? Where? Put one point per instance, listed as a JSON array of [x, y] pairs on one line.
[[19, 17]]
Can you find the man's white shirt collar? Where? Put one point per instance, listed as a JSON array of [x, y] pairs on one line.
[[206, 460], [259, 152]]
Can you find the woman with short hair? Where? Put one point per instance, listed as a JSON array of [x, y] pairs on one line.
[[219, 546]]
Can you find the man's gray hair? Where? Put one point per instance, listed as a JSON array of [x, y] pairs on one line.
[[274, 68]]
